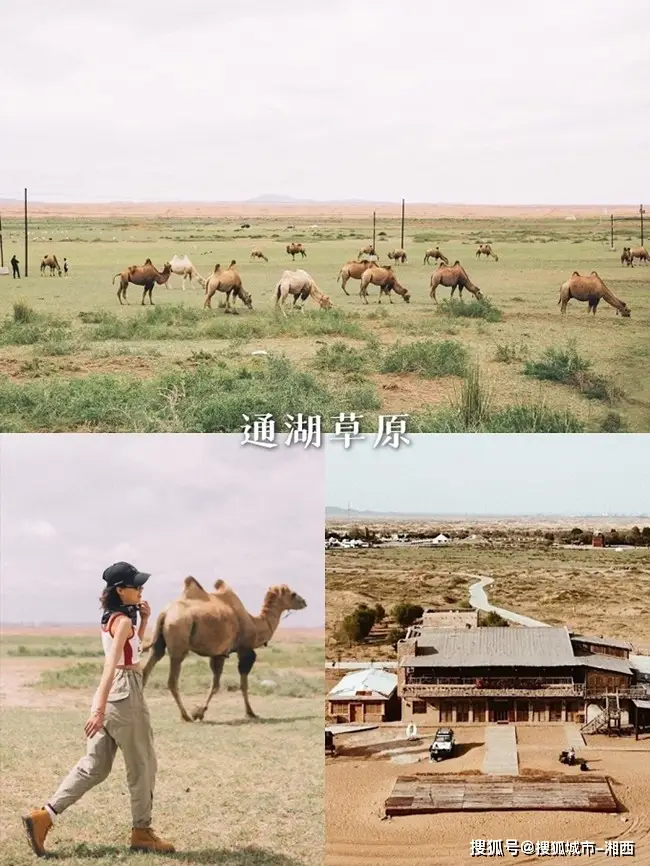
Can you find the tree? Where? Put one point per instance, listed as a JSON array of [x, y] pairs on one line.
[[493, 619], [358, 624], [406, 614], [380, 612]]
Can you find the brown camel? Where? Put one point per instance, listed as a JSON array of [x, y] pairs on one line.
[[434, 254], [214, 625], [454, 277], [386, 279], [227, 281], [398, 255], [258, 254], [146, 275], [51, 263], [302, 286], [626, 257], [486, 250], [593, 290], [367, 251], [641, 254], [352, 270], [294, 249]]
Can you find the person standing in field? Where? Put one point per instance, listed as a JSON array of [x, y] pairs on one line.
[[65, 267], [14, 267], [119, 718]]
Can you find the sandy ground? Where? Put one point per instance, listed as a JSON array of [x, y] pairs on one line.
[[357, 786], [331, 210], [16, 676]]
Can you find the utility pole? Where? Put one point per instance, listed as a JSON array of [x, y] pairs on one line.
[[26, 241], [611, 231], [402, 240], [2, 254], [641, 212], [374, 218]]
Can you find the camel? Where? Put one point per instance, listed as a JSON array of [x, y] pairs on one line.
[[184, 268], [398, 256], [626, 257], [385, 278], [367, 251], [214, 625], [641, 254], [352, 270], [434, 254], [51, 263], [301, 285], [227, 281], [454, 277], [294, 249], [258, 254], [486, 249], [593, 290], [146, 275]]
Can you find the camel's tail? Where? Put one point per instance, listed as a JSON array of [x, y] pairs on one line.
[[158, 641], [338, 279], [116, 275]]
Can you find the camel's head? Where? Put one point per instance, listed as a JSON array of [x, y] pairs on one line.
[[625, 310], [285, 598], [167, 268], [407, 296], [326, 303], [246, 298], [478, 294]]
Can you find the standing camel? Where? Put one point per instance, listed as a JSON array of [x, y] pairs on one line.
[[454, 277], [434, 254], [641, 254], [184, 268], [214, 625], [626, 257], [302, 286], [368, 250], [294, 249], [352, 271], [51, 263], [227, 281], [486, 250], [146, 275], [591, 289], [398, 255], [258, 254], [387, 280]]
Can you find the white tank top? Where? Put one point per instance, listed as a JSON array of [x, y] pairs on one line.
[[133, 646]]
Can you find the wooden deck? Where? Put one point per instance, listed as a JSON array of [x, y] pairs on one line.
[[427, 793]]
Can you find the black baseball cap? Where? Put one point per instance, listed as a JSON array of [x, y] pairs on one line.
[[124, 574]]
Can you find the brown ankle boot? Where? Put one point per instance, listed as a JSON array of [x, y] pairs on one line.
[[144, 839], [37, 824]]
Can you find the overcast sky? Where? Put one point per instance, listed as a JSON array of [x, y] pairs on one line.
[[514, 474], [452, 101], [173, 506]]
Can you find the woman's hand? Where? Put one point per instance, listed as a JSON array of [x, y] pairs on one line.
[[94, 724], [145, 611]]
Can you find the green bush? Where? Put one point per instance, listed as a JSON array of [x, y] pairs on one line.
[[427, 358]]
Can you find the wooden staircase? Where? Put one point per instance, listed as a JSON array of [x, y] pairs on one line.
[[603, 721]]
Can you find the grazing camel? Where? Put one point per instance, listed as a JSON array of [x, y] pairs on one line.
[[183, 267], [51, 263], [386, 279], [486, 249], [454, 277], [641, 254], [214, 625], [227, 281], [398, 255], [434, 254], [258, 254], [302, 286], [146, 275], [626, 257], [352, 270], [367, 251], [591, 289], [294, 249]]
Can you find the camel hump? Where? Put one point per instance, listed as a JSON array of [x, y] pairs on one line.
[[193, 589], [575, 274]]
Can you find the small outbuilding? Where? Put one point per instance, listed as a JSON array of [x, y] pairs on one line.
[[368, 695]]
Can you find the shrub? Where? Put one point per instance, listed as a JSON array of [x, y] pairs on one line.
[[427, 358], [405, 614]]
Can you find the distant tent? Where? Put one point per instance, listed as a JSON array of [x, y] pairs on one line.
[[440, 539]]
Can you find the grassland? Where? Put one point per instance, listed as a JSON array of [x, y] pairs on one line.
[[594, 591], [73, 359], [228, 791]]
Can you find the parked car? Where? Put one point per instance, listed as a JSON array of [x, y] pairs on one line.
[[443, 745]]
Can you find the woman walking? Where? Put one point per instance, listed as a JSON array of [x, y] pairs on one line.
[[119, 718]]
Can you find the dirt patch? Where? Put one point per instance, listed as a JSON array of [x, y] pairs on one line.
[[408, 392], [17, 676]]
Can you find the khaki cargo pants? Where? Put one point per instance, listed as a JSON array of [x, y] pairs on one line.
[[126, 726]]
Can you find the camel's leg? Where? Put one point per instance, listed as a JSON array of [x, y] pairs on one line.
[[172, 683], [152, 661], [216, 666], [343, 282], [208, 300], [246, 662]]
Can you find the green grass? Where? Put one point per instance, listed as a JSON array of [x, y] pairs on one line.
[[427, 358], [570, 368], [69, 322]]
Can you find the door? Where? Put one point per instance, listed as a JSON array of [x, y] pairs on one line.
[[356, 712], [501, 711]]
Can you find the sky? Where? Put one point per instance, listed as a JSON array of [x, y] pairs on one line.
[[172, 505], [457, 101], [505, 474]]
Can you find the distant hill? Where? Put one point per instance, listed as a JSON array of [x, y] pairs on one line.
[[333, 511]]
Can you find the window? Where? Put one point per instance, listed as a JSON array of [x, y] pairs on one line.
[[419, 706]]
